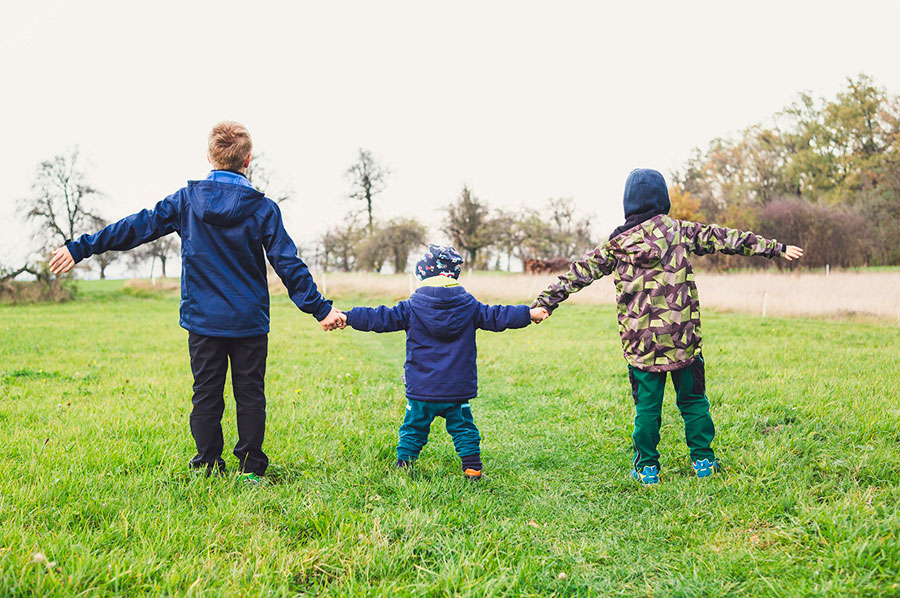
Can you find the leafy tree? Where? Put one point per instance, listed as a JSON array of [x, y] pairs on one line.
[[684, 205], [402, 236], [469, 226], [367, 179], [372, 251], [391, 242], [510, 234], [535, 237], [339, 245]]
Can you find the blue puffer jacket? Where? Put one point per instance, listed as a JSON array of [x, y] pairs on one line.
[[440, 324], [225, 228]]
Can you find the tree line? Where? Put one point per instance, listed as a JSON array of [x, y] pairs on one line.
[[823, 173], [486, 237]]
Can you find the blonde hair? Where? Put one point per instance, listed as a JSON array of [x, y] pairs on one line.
[[229, 145]]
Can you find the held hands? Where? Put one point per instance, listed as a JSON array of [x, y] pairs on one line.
[[792, 252], [334, 320], [61, 261], [539, 314]]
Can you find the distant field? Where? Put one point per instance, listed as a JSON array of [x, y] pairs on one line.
[[869, 294], [96, 498]]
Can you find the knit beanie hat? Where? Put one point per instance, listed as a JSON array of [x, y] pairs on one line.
[[439, 261]]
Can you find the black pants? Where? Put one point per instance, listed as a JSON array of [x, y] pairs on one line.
[[209, 362]]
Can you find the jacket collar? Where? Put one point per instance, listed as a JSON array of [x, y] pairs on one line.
[[438, 281], [229, 176]]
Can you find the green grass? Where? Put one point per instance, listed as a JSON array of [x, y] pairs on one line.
[[94, 404]]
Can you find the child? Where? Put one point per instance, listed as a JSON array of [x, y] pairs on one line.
[[225, 227], [659, 316], [440, 320]]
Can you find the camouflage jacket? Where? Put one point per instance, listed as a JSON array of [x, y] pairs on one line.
[[659, 312]]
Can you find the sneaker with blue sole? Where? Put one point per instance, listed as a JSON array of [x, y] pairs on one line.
[[648, 475], [705, 468]]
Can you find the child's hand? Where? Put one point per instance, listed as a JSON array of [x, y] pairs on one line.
[[792, 252], [539, 314], [62, 261], [334, 320]]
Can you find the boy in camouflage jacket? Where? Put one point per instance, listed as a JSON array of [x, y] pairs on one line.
[[659, 312]]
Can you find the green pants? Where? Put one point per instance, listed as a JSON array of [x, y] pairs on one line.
[[690, 392], [417, 423]]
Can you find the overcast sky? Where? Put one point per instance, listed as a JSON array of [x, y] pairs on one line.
[[520, 100]]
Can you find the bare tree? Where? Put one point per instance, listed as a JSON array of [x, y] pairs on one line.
[[103, 260], [469, 226], [570, 236], [367, 179], [162, 249], [266, 180], [62, 201]]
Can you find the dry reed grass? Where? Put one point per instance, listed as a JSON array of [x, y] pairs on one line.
[[871, 295]]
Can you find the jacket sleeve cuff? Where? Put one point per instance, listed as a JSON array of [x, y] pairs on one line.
[[525, 315], [74, 250], [323, 310]]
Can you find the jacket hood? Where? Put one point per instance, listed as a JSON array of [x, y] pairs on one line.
[[646, 193], [444, 311], [222, 204]]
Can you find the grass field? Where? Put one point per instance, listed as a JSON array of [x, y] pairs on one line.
[[96, 498]]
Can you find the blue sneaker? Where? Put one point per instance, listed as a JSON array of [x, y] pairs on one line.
[[705, 468], [648, 475]]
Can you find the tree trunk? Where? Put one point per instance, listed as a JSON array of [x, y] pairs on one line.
[[369, 209], [162, 265]]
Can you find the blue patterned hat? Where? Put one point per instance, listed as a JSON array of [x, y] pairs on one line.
[[439, 261]]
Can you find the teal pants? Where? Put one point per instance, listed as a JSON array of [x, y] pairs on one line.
[[417, 423], [690, 397]]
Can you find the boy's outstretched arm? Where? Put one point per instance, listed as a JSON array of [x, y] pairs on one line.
[[596, 264], [282, 254], [127, 233], [379, 319], [708, 238], [498, 318]]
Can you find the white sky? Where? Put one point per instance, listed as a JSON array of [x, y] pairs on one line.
[[521, 100]]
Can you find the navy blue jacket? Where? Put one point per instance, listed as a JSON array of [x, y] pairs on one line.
[[225, 229], [440, 324]]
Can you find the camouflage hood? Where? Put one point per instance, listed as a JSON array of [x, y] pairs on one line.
[[657, 303]]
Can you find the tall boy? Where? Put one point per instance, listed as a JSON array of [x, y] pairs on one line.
[[441, 376], [659, 312], [226, 227]]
